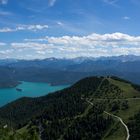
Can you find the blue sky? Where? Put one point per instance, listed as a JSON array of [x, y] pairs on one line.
[[32, 29]]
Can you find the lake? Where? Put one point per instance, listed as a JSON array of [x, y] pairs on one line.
[[29, 89]]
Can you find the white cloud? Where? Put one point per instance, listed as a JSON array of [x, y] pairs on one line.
[[60, 23], [6, 29], [93, 45], [2, 44], [31, 27], [30, 45], [51, 2], [126, 18], [6, 52], [112, 2], [94, 40], [41, 52], [24, 27], [3, 1]]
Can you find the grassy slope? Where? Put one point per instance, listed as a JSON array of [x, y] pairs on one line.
[[21, 134], [116, 131], [129, 93]]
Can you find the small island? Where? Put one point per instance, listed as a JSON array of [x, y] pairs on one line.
[[19, 89]]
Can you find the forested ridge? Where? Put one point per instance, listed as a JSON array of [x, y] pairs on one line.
[[66, 114]]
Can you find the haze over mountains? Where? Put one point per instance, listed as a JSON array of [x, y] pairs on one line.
[[67, 71]]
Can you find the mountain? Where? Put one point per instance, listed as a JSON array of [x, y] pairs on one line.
[[89, 109], [6, 78], [68, 71], [65, 61], [123, 58], [4, 62]]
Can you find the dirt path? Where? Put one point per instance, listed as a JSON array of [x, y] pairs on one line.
[[122, 122], [120, 119]]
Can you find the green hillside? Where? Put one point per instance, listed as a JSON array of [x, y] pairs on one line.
[[86, 110]]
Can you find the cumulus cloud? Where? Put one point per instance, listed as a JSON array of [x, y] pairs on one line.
[[94, 40], [30, 45], [6, 29], [93, 45], [24, 27], [6, 52]]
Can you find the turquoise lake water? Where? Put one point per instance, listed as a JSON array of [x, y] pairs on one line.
[[29, 89]]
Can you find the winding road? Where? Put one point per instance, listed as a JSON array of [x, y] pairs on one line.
[[120, 119], [40, 130]]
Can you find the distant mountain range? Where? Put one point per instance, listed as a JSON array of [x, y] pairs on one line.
[[122, 58], [67, 71]]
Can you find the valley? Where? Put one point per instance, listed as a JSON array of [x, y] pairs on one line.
[[57, 71]]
